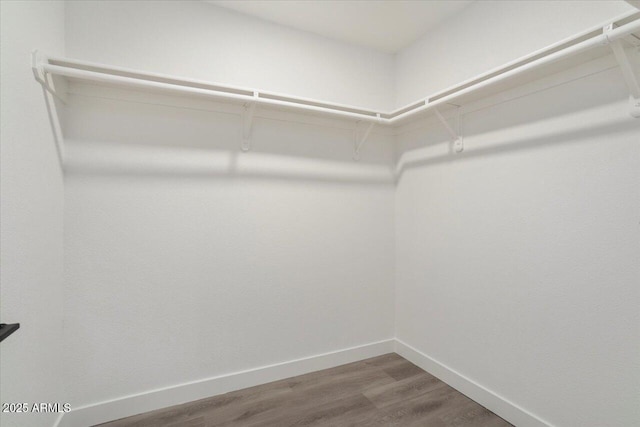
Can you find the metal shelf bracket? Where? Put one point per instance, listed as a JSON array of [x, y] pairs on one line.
[[42, 78], [247, 123], [49, 93], [456, 137], [628, 66], [360, 140]]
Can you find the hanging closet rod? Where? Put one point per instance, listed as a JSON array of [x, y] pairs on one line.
[[112, 75], [525, 65], [537, 60]]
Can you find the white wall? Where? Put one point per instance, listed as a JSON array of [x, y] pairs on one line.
[[31, 216], [488, 34], [281, 253], [185, 259], [515, 263], [201, 40], [517, 260]]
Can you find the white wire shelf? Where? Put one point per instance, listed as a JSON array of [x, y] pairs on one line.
[[619, 35]]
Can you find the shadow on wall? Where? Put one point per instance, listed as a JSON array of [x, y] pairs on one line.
[[146, 135], [540, 120], [167, 136], [122, 159], [507, 144]]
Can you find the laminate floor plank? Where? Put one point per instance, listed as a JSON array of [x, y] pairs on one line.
[[331, 413], [358, 379], [403, 370], [192, 422], [306, 397], [422, 410], [402, 390], [226, 406], [383, 391], [384, 361], [441, 406], [472, 414]]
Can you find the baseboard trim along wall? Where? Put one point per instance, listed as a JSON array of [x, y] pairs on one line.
[[490, 400], [175, 395]]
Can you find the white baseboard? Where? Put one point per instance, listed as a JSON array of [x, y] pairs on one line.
[[175, 395], [490, 400]]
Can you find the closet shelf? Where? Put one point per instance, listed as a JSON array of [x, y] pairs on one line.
[[618, 36]]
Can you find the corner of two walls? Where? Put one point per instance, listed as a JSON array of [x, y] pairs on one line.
[[293, 246]]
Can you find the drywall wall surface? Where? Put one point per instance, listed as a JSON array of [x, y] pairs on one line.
[[200, 40], [187, 259], [31, 214], [517, 260], [488, 34], [203, 260]]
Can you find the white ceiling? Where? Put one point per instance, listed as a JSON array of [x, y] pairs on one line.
[[386, 25]]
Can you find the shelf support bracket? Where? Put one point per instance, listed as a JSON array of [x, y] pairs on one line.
[[247, 123], [360, 140], [630, 75], [41, 77], [49, 93], [456, 138]]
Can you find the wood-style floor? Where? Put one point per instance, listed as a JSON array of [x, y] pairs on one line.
[[381, 391]]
